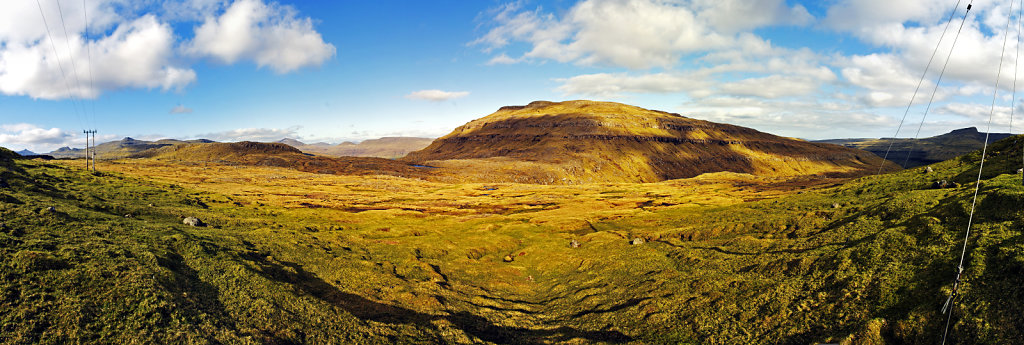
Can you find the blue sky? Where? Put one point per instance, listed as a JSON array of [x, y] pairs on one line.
[[351, 70]]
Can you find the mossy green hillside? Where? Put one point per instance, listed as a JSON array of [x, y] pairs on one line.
[[868, 261]]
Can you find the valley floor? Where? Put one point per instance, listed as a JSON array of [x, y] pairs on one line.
[[293, 257]]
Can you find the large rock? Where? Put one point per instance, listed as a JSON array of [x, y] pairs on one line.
[[193, 221]]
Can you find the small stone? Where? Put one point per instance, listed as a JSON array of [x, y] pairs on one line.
[[836, 206], [127, 216], [636, 241], [193, 221], [928, 170], [940, 184], [508, 258], [151, 205], [1020, 171], [50, 209], [574, 244]]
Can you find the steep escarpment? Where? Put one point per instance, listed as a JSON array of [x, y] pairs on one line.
[[588, 141]]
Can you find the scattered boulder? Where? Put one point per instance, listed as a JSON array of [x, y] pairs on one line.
[[127, 216], [1020, 171], [193, 221], [836, 205], [509, 258], [928, 170], [636, 241], [49, 209], [574, 244], [940, 184]]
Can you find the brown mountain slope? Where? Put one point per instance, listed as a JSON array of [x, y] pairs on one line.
[[281, 155], [588, 141]]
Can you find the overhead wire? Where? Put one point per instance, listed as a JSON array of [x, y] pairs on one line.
[[71, 57], [88, 50], [56, 56], [937, 83], [921, 81], [948, 306]]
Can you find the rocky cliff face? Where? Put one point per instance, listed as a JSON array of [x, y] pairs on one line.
[[587, 141]]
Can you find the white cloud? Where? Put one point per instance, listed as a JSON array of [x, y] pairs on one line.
[[797, 118], [774, 86], [268, 34], [253, 134], [181, 109], [133, 44], [605, 85], [502, 59], [606, 32], [37, 139], [866, 15], [436, 95], [136, 54]]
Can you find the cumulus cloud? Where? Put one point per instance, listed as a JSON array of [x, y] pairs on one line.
[[181, 109], [605, 85], [253, 134], [605, 32], [270, 35], [809, 119], [136, 53], [37, 139], [133, 45], [436, 95]]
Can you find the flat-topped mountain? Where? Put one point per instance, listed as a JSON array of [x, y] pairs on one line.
[[923, 151], [588, 141]]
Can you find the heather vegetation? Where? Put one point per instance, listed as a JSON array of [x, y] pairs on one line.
[[288, 256]]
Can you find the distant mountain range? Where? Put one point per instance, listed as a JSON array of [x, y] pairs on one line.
[[387, 147], [925, 151], [26, 153], [123, 148]]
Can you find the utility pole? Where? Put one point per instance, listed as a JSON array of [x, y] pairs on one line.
[[90, 151], [94, 150], [86, 149]]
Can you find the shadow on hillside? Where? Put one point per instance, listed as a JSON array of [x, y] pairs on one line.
[[366, 309]]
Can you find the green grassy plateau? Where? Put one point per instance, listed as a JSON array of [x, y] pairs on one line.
[[289, 257]]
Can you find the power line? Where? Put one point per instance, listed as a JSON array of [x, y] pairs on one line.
[[60, 66], [88, 50], [948, 306], [921, 81], [71, 57], [937, 82]]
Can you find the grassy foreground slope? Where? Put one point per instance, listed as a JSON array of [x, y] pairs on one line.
[[288, 258]]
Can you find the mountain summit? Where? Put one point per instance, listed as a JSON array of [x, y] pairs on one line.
[[589, 141]]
